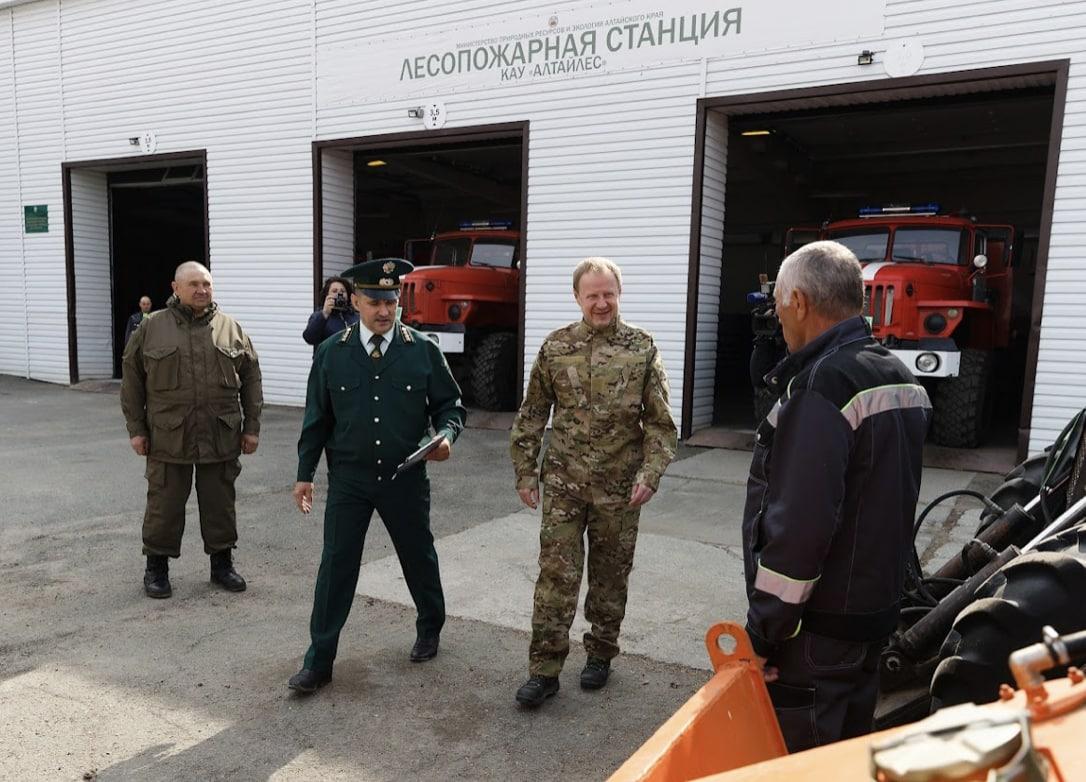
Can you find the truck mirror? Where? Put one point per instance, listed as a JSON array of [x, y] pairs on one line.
[[980, 261]]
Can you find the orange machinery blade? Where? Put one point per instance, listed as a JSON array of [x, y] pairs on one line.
[[728, 723]]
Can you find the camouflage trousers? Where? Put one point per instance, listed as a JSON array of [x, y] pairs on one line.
[[612, 535]]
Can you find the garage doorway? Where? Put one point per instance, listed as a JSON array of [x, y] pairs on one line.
[[129, 223], [454, 204], [980, 148]]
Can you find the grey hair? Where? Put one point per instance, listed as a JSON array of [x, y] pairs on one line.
[[600, 266], [190, 266], [829, 274]]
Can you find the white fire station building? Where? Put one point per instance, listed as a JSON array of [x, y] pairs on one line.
[[280, 140]]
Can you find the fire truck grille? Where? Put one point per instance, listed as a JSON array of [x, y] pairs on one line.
[[879, 304]]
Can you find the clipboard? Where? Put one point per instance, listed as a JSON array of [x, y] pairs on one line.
[[419, 455]]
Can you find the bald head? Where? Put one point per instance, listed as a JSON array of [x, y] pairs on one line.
[[190, 267], [192, 285]]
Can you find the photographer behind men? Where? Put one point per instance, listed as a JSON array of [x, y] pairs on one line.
[[831, 500], [335, 314]]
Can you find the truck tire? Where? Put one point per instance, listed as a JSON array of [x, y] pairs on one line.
[[493, 371], [961, 403], [1034, 590]]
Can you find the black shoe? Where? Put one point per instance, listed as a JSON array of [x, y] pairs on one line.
[[156, 579], [595, 673], [536, 690], [425, 648], [223, 573], [308, 682]]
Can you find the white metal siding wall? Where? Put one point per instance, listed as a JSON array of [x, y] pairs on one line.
[[711, 267], [610, 161], [40, 151], [959, 37], [94, 292], [234, 79], [337, 216], [13, 345]]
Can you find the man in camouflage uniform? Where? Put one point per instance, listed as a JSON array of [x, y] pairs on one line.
[[191, 396], [612, 439]]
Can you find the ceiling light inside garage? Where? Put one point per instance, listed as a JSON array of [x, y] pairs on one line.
[[376, 163], [755, 133]]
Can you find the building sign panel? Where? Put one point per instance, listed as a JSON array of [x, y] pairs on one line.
[[36, 219], [592, 38]]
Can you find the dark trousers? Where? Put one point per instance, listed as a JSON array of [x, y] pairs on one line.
[[168, 489], [826, 691], [404, 505]]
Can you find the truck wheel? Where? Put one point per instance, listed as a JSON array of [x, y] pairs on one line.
[[961, 403], [493, 372], [1037, 589], [764, 399]]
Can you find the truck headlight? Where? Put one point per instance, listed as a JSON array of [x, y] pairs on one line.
[[927, 363], [935, 323], [454, 312]]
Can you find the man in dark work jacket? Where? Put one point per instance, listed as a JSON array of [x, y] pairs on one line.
[[374, 391], [831, 501]]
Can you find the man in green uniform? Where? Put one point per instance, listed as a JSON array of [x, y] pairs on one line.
[[612, 439], [184, 371], [374, 391]]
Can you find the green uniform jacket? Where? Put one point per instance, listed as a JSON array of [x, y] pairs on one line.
[[181, 383], [612, 424], [374, 413]]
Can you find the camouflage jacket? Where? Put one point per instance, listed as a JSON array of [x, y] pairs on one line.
[[612, 424], [187, 382]]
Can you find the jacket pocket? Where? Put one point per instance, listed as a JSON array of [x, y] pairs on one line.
[[227, 358], [228, 434], [168, 436], [830, 655], [569, 376], [795, 708], [163, 367]]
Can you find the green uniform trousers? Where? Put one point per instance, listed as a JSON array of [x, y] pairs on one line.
[[404, 504], [168, 489], [612, 536]]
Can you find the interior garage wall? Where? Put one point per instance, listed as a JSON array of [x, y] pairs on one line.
[[14, 358], [337, 210], [94, 288], [710, 267]]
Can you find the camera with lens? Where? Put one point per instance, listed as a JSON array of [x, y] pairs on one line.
[[341, 303], [763, 314]]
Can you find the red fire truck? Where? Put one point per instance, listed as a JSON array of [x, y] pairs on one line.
[[464, 294], [938, 293]]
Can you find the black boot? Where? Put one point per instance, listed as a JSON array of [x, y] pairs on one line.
[[595, 673], [223, 573], [536, 690], [156, 579]]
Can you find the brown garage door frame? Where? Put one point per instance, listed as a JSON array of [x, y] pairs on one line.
[[885, 90], [511, 131], [131, 162]]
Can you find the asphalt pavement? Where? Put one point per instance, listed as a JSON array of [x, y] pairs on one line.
[[99, 682]]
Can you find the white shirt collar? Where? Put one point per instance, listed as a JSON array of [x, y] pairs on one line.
[[365, 334]]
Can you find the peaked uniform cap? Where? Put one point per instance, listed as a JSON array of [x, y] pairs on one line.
[[379, 278]]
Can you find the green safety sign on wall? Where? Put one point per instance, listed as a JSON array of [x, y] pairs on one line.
[[36, 219]]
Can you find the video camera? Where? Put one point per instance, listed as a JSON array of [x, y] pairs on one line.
[[763, 315]]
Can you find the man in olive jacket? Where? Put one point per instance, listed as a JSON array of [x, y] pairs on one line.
[[185, 371], [374, 392]]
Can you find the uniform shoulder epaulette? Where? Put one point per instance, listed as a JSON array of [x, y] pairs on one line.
[[346, 334], [406, 334]]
